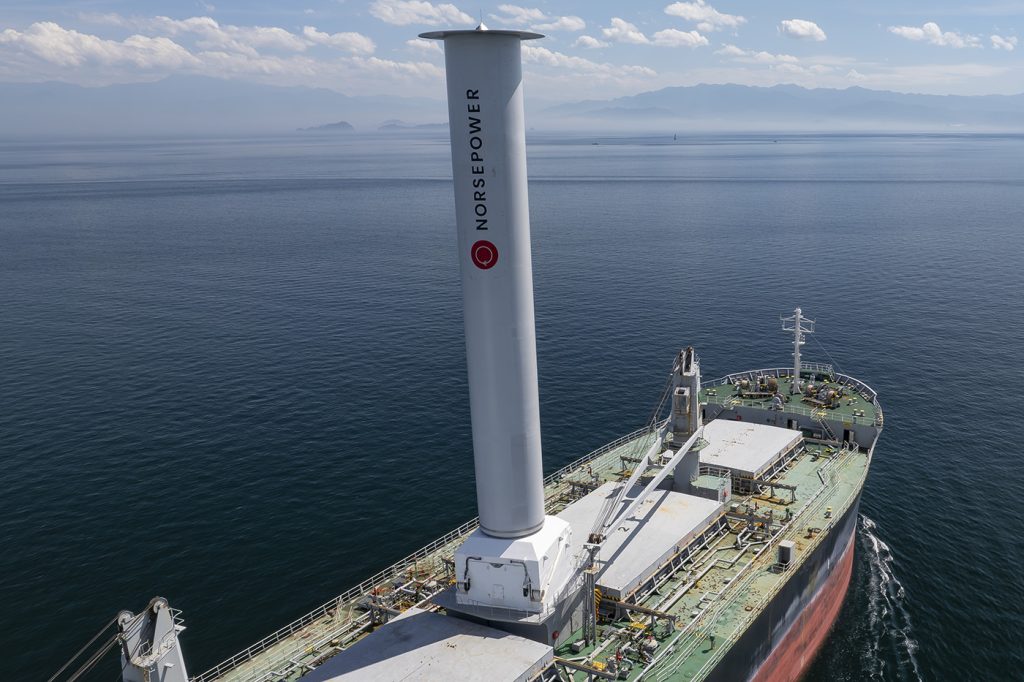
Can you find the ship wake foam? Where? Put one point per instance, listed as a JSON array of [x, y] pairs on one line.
[[891, 650]]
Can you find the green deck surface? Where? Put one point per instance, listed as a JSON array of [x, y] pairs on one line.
[[721, 603], [854, 408], [742, 597]]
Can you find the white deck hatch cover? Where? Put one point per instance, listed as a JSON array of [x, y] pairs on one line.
[[745, 448], [421, 645], [638, 546]]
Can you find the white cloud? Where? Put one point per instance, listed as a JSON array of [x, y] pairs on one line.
[[621, 31], [107, 18], [781, 67], [937, 78], [248, 40], [570, 23], [730, 51], [232, 64], [514, 15], [1000, 43], [671, 37], [931, 33], [801, 28], [542, 55], [426, 46], [270, 37], [755, 57], [589, 42], [211, 34], [520, 16], [704, 15], [356, 43], [63, 47], [388, 67], [47, 51], [405, 12]]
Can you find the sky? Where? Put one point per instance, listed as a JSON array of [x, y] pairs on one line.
[[593, 50]]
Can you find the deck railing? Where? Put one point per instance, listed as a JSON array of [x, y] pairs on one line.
[[344, 598], [400, 567], [733, 401], [869, 393], [814, 542], [389, 573], [675, 654], [608, 447]]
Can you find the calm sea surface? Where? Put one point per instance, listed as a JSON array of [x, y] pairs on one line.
[[232, 371]]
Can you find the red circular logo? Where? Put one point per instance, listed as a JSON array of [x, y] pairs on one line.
[[484, 254]]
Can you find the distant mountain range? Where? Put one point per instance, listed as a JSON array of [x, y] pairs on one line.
[[194, 105], [197, 105], [789, 107]]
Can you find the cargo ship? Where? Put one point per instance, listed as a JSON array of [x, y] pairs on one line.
[[715, 542]]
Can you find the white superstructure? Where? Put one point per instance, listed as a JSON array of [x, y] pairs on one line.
[[745, 448]]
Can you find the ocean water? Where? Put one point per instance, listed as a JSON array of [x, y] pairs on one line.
[[232, 372]]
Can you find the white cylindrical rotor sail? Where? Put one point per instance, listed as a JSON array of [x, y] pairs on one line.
[[488, 140]]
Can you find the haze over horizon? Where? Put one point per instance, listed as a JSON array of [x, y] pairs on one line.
[[592, 49], [200, 105]]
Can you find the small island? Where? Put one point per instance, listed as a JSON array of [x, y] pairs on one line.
[[343, 126]]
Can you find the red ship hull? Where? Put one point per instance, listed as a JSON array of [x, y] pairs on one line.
[[791, 657], [783, 640]]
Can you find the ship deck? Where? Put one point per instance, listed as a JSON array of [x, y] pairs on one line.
[[858, 406], [716, 588], [720, 590]]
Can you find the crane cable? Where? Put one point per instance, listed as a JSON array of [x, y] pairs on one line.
[[829, 355], [96, 657], [93, 659], [612, 503]]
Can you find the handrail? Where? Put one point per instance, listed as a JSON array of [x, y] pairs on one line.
[[787, 371], [382, 576], [815, 541], [345, 597], [709, 616], [730, 400], [608, 447], [770, 371], [397, 568], [857, 384]]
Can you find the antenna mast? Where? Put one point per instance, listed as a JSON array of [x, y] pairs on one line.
[[799, 325]]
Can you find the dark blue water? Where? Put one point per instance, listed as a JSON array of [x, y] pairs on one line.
[[232, 373]]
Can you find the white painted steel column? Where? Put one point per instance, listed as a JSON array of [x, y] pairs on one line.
[[797, 342], [799, 329], [488, 140]]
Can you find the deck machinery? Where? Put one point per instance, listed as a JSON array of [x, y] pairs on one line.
[[714, 543]]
